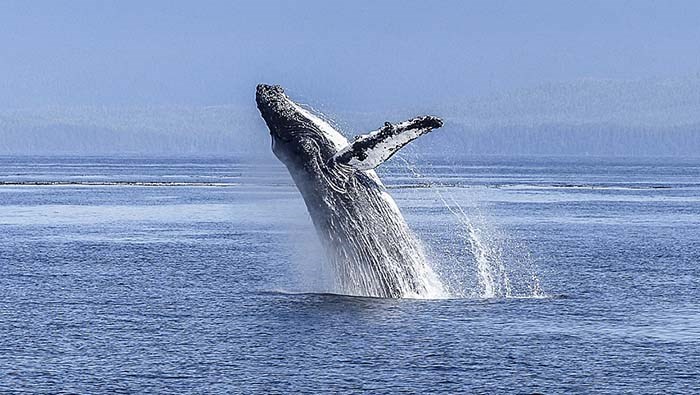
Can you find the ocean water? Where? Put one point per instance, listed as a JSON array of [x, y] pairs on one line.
[[172, 275]]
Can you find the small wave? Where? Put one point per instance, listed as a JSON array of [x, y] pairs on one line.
[[283, 292], [428, 185], [341, 295], [118, 183], [582, 186], [524, 297], [411, 186]]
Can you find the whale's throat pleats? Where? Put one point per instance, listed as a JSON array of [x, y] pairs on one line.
[[372, 250]]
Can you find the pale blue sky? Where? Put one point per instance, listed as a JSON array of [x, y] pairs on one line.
[[355, 54]]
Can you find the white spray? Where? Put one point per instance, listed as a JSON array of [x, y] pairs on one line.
[[502, 269]]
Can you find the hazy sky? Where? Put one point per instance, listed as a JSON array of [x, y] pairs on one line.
[[356, 54]]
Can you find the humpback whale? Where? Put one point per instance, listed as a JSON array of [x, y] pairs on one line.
[[365, 236]]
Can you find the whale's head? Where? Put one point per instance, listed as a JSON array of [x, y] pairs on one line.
[[300, 139]]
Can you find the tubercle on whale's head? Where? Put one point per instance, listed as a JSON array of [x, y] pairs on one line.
[[274, 107], [297, 135]]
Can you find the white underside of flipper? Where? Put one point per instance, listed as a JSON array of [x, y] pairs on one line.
[[370, 150]]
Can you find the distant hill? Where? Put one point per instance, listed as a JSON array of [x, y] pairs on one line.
[[589, 117], [568, 140], [639, 103], [164, 130]]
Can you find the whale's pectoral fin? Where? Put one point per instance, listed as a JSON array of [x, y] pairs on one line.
[[369, 150]]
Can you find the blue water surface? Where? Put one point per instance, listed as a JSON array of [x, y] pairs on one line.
[[190, 275]]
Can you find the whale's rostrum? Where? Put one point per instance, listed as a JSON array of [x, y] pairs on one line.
[[372, 249]]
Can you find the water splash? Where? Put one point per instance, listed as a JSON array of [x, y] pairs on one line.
[[503, 268], [369, 249], [384, 258]]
